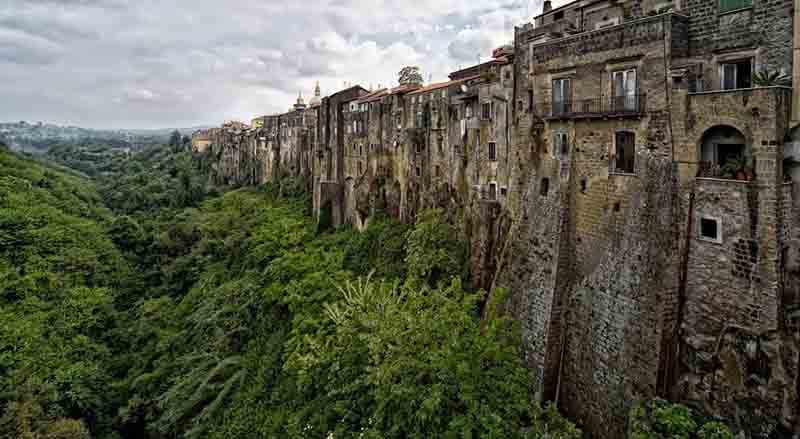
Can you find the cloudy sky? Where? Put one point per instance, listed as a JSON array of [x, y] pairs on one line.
[[169, 63]]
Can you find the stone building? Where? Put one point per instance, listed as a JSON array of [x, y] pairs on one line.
[[622, 172], [652, 258]]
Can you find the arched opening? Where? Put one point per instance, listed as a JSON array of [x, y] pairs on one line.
[[725, 153]]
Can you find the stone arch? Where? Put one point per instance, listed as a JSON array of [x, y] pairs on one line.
[[720, 143]]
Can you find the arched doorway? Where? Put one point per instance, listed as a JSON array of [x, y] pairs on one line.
[[724, 151]]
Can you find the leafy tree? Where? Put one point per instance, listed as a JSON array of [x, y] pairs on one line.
[[435, 250], [175, 141], [770, 78], [659, 419], [410, 75]]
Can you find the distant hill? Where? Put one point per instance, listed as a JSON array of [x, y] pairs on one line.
[[40, 137]]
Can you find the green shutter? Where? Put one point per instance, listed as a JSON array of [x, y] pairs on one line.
[[730, 5]]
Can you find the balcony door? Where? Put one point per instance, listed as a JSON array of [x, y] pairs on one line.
[[624, 84], [561, 96]]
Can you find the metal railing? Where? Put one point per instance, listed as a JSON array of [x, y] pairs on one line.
[[631, 104]]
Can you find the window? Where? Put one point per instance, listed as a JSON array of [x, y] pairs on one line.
[[419, 171], [486, 110], [710, 229], [731, 5], [441, 145], [544, 187], [560, 145], [530, 100], [624, 92], [492, 151], [457, 149], [468, 111], [561, 96], [558, 15], [492, 191], [399, 121], [436, 170], [420, 147], [623, 161], [360, 149], [359, 168], [503, 191], [736, 74]]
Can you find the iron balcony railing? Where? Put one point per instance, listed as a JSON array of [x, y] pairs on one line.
[[617, 105]]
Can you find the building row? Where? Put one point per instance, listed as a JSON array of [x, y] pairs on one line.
[[627, 172]]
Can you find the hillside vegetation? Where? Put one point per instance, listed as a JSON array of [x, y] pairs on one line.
[[143, 305]]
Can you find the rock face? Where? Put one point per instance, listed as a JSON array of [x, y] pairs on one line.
[[619, 176]]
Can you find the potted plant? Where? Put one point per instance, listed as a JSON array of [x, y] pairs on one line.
[[737, 168]]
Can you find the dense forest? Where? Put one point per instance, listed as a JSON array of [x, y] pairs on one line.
[[137, 302]]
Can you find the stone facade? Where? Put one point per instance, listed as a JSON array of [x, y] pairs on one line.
[[620, 174]]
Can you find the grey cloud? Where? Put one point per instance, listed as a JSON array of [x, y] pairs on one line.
[[150, 63]]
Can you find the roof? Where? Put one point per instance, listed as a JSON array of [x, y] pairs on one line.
[[439, 85], [374, 95], [405, 88], [479, 68]]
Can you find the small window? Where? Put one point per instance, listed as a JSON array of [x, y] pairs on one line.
[[457, 149], [710, 229], [492, 151], [503, 191], [436, 170], [441, 145], [558, 15], [544, 187], [530, 100], [359, 168], [562, 97], [492, 191], [486, 110], [419, 171], [736, 74], [420, 147], [360, 150], [584, 182]]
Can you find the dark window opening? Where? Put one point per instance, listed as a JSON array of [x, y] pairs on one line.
[[436, 170], [492, 191], [736, 74], [624, 160], [503, 191], [583, 185], [492, 151], [420, 147], [544, 187], [419, 172], [728, 151], [709, 228], [616, 207], [558, 15]]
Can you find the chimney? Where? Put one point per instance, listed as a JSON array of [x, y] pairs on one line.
[[548, 6]]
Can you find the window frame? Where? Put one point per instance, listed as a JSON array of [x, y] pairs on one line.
[[492, 151], [558, 151], [734, 62], [717, 220]]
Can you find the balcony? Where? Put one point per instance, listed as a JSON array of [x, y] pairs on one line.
[[594, 108]]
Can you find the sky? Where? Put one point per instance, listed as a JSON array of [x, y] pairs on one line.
[[183, 63]]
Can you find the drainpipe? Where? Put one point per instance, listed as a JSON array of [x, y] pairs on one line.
[[796, 66]]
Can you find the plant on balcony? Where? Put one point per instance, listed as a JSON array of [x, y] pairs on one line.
[[771, 78], [736, 168]]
